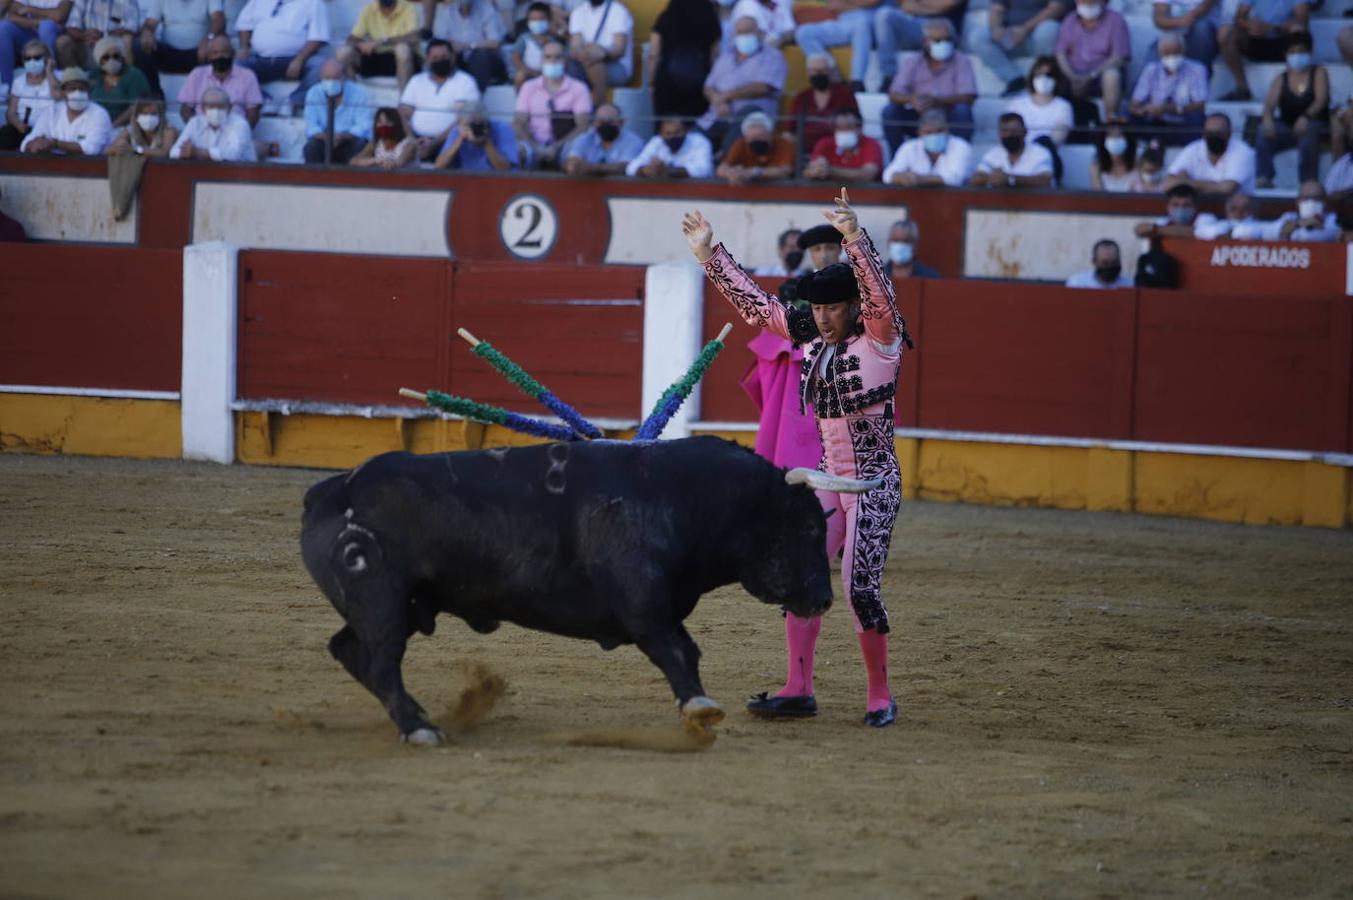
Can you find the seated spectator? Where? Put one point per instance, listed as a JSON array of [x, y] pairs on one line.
[[601, 40], [71, 125], [384, 41], [1195, 22], [853, 25], [1107, 260], [746, 79], [239, 83], [938, 77], [1150, 173], [37, 20], [679, 57], [1046, 113], [1310, 221], [174, 36], [478, 144], [1114, 167], [1296, 111], [1339, 179], [1239, 223], [92, 20], [759, 155], [284, 40], [935, 158], [1170, 95], [475, 31], [604, 149], [220, 134], [1217, 163], [552, 109], [791, 257], [1017, 28], [1259, 32], [1181, 208], [901, 261], [822, 244], [674, 152], [846, 154], [1093, 51], [119, 84], [1016, 163], [429, 103], [147, 133], [29, 95], [817, 105], [390, 147], [351, 116], [776, 20], [903, 27], [525, 50]]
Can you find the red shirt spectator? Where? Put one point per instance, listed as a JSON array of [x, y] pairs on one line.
[[846, 154], [818, 104]]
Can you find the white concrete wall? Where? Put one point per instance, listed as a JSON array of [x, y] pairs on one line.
[[1042, 246], [674, 298], [210, 296], [65, 208]]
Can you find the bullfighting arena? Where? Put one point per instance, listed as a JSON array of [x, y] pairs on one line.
[[1092, 705]]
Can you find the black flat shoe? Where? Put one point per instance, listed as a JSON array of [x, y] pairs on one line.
[[882, 718], [782, 707]]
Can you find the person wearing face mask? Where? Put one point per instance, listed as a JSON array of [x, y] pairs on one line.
[[1170, 95], [383, 41], [239, 83], [1093, 50], [526, 50], [36, 20], [284, 39], [1259, 32], [674, 152], [938, 78], [1181, 208], [813, 109], [1217, 163], [1017, 28], [475, 31], [1296, 113], [746, 79], [1047, 116], [391, 147], [789, 255], [430, 102], [935, 158], [1149, 176], [147, 134], [601, 40], [1107, 260], [1016, 163], [1238, 224], [119, 85], [1196, 22], [901, 262], [551, 109], [89, 22], [218, 134], [479, 144], [681, 51], [29, 96], [1114, 166], [773, 18], [759, 155], [72, 125], [604, 149], [903, 27], [174, 36], [341, 103], [847, 154], [1309, 222]]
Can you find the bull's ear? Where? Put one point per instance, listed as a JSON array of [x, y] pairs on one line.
[[821, 481]]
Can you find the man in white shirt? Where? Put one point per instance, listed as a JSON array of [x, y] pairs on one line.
[[1107, 271], [935, 158], [776, 25], [1016, 163], [1309, 222], [1217, 163], [601, 38], [285, 39], [72, 125], [674, 153], [220, 134], [432, 99], [1239, 224]]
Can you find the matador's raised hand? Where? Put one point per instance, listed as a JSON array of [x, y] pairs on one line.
[[699, 234], [843, 218]]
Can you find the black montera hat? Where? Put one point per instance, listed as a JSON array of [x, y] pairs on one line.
[[834, 284], [818, 234]]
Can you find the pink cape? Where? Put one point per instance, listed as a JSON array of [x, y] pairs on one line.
[[786, 437]]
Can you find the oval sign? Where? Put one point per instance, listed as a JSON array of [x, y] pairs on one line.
[[528, 226]]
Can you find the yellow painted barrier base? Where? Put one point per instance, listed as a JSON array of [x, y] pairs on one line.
[[90, 426]]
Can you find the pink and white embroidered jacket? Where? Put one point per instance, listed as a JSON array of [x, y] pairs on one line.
[[855, 377]]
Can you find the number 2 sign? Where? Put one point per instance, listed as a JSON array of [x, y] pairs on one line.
[[528, 226]]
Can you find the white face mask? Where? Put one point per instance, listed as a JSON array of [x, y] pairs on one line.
[[35, 66], [112, 66], [216, 116], [900, 252], [1089, 11], [1044, 85], [1172, 62], [148, 122], [941, 50], [1310, 209], [847, 140], [77, 100]]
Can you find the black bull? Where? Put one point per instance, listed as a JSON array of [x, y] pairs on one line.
[[608, 541]]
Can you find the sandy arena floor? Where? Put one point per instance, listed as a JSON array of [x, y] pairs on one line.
[[1093, 705]]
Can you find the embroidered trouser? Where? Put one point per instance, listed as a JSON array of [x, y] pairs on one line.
[[860, 526]]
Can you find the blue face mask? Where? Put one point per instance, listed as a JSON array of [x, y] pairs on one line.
[[1298, 62], [332, 86], [35, 66], [538, 26], [1116, 145], [747, 44], [935, 142], [552, 69]]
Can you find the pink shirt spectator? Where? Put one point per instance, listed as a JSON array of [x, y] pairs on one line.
[[1087, 48], [535, 100], [240, 84], [915, 77]]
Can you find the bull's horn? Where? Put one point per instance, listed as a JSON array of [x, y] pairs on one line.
[[821, 481]]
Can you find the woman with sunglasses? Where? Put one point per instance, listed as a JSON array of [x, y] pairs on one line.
[[29, 95], [119, 84], [148, 133]]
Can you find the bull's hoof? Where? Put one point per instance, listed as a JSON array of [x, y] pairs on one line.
[[424, 737], [698, 716]]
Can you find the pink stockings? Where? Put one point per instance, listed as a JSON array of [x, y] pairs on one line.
[[801, 640]]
